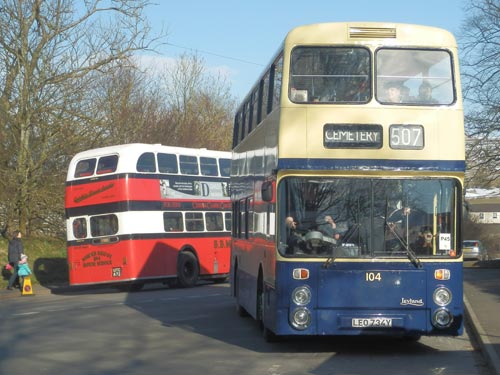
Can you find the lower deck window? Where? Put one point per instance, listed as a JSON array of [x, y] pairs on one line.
[[80, 228], [177, 221], [104, 225], [172, 222]]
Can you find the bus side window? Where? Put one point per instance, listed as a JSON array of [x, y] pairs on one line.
[[208, 166], [167, 163], [85, 168], [172, 222], [228, 220], [107, 164], [105, 225], [214, 221], [225, 167], [194, 221], [80, 228], [146, 163], [189, 164]]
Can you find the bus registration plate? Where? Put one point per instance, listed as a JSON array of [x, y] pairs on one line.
[[371, 322]]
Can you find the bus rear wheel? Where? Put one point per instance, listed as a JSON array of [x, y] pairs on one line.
[[187, 269]]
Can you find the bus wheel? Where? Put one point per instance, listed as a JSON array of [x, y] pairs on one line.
[[187, 269]]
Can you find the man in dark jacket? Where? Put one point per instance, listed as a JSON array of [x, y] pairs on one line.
[[15, 250]]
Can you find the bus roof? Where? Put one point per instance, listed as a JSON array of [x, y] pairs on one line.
[[129, 153], [369, 33], [139, 148]]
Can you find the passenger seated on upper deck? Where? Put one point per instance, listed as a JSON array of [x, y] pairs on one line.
[[425, 94], [392, 92]]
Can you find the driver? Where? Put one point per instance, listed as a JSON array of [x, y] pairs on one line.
[[295, 242]]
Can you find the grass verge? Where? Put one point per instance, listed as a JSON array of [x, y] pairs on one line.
[[46, 258]]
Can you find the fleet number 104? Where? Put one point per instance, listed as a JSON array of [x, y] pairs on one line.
[[373, 276]]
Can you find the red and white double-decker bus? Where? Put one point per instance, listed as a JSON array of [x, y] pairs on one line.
[[138, 213]]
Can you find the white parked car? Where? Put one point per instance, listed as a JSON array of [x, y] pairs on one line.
[[474, 249]]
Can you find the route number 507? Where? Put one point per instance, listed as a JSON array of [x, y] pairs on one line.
[[406, 137], [373, 276]]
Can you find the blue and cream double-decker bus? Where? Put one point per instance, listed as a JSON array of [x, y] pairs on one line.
[[347, 184]]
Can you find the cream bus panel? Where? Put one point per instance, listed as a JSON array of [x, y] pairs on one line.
[[303, 132]]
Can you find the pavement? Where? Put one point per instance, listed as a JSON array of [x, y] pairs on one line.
[[482, 308], [481, 301]]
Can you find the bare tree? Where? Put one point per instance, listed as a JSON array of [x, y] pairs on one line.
[[52, 54], [133, 103], [480, 46], [200, 106]]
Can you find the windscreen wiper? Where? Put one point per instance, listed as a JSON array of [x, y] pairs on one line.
[[344, 239], [412, 256], [329, 261]]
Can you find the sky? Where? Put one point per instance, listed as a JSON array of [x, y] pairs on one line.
[[239, 38]]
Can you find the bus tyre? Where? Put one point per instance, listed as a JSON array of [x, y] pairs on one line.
[[187, 269]]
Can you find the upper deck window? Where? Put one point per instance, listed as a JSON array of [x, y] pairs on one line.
[[107, 164], [225, 167], [167, 163], [189, 164], [208, 166], [411, 76], [330, 75], [146, 162], [85, 168]]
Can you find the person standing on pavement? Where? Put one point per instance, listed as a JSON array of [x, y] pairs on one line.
[[15, 251], [23, 270]]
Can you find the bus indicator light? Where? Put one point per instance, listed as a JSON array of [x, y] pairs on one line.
[[300, 273], [442, 274]]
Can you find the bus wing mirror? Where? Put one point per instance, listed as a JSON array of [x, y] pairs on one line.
[[267, 191]]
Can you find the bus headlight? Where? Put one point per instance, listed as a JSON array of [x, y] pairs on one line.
[[301, 295], [442, 296], [300, 318], [442, 318]]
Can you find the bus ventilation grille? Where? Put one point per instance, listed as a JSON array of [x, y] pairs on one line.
[[372, 32]]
